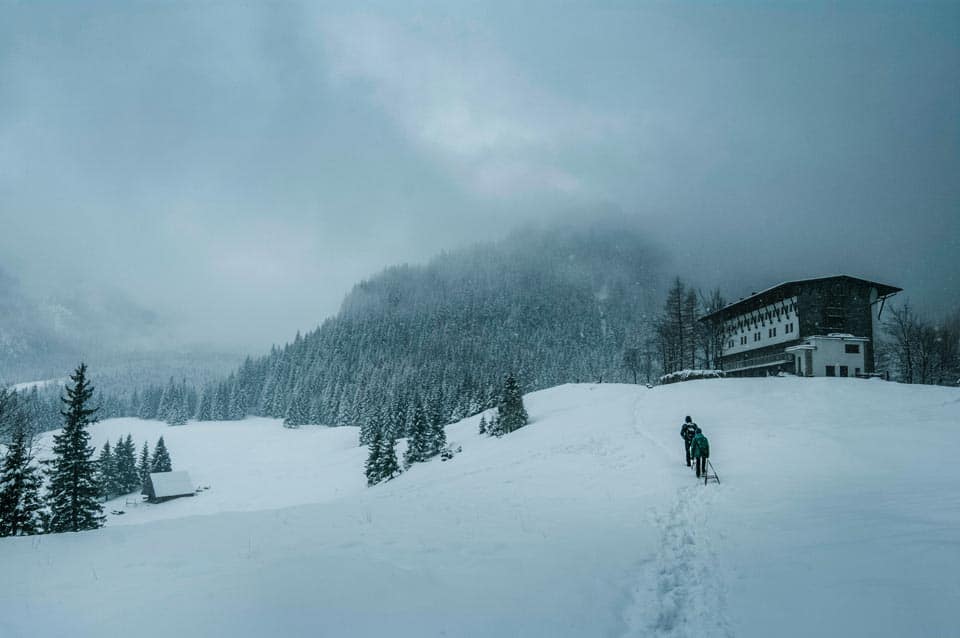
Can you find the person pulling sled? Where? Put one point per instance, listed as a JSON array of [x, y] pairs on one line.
[[700, 449]]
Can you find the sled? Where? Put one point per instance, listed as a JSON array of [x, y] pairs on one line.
[[710, 474]]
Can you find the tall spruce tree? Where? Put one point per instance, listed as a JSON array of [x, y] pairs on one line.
[[389, 464], [72, 488], [128, 478], [143, 467], [107, 473], [297, 412], [512, 413], [236, 411], [374, 464], [177, 411], [161, 458], [495, 426], [20, 504], [438, 435], [205, 404], [418, 443], [396, 418], [370, 426]]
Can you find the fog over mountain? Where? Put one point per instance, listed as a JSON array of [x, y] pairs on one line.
[[223, 173]]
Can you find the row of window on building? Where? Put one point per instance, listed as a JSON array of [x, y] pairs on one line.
[[771, 332], [770, 315]]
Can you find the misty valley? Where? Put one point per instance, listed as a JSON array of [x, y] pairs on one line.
[[476, 320]]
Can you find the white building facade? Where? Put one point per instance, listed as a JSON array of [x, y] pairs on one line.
[[833, 355], [811, 327]]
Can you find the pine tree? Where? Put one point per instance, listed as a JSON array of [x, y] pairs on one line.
[[382, 463], [135, 403], [177, 409], [107, 473], [483, 424], [495, 426], [20, 504], [235, 408], [418, 443], [297, 412], [374, 465], [370, 426], [127, 476], [692, 329], [73, 490], [389, 465], [167, 401], [512, 413], [161, 458], [437, 439], [143, 468], [204, 405], [397, 420]]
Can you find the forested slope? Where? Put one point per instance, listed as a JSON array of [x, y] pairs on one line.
[[552, 306]]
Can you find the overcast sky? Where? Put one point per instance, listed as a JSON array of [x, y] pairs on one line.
[[237, 166]]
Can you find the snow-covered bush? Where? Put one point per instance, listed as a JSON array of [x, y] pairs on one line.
[[691, 375]]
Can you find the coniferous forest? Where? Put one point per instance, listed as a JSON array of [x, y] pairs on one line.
[[549, 306]]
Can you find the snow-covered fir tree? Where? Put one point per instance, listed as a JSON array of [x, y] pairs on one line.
[[382, 463], [494, 426], [72, 486], [205, 404], [20, 503], [236, 410], [161, 458], [397, 418], [483, 424], [418, 443], [389, 464], [370, 427], [125, 455], [438, 435], [178, 408], [167, 401], [512, 415], [297, 412], [374, 465], [107, 473], [143, 466]]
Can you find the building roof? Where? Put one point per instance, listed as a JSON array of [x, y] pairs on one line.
[[170, 484], [883, 291]]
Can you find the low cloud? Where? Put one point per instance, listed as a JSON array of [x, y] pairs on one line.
[[463, 104]]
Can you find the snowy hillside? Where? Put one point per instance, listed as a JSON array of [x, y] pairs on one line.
[[837, 515]]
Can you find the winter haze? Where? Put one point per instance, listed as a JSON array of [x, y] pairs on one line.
[[225, 172]]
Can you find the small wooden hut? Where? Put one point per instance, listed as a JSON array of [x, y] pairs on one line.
[[163, 486]]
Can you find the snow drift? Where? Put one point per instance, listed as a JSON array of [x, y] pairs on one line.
[[837, 516]]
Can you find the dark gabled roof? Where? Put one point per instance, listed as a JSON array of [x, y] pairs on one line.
[[883, 291]]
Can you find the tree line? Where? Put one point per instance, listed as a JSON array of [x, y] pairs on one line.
[[675, 339], [552, 307], [427, 437], [921, 350], [76, 484]]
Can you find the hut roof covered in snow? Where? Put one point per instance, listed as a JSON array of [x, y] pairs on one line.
[[167, 484]]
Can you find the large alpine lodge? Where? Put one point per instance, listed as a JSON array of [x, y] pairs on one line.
[[810, 327]]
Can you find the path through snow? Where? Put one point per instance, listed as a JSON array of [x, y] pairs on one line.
[[680, 592]]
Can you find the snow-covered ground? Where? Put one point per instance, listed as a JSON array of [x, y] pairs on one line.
[[30, 385], [838, 515], [254, 464]]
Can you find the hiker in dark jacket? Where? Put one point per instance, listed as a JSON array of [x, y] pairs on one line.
[[687, 430], [700, 449]]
